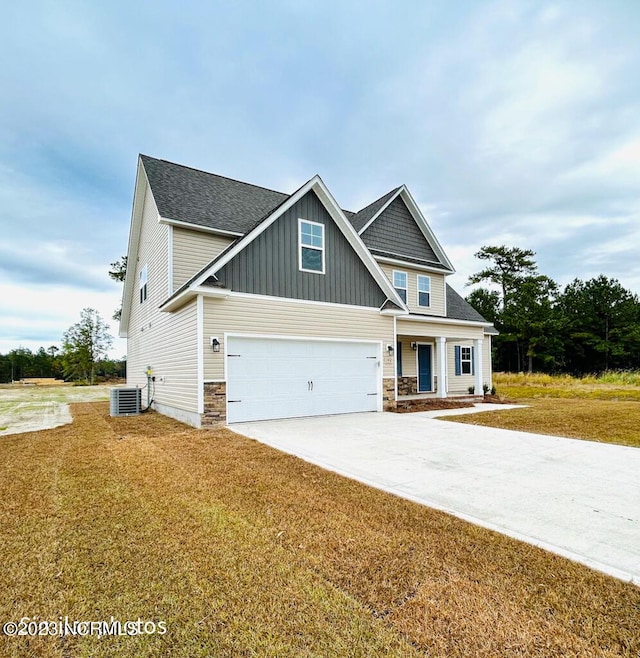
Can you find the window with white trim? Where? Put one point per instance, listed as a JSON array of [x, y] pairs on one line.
[[143, 278], [400, 284], [424, 290], [466, 359], [310, 246]]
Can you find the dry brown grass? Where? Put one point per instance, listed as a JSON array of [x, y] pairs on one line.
[[246, 551], [608, 421], [587, 408]]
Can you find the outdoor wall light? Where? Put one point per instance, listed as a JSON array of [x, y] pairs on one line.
[[390, 349], [414, 346], [215, 344]]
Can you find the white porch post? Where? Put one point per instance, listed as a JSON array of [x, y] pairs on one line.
[[441, 344], [477, 344]]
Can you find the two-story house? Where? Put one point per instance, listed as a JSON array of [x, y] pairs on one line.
[[242, 303]]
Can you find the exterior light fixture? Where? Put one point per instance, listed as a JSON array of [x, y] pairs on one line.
[[215, 344], [414, 346], [390, 349]]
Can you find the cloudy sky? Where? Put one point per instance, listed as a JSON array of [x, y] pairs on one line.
[[511, 123]]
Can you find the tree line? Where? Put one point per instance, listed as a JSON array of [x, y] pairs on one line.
[[83, 356], [586, 327]]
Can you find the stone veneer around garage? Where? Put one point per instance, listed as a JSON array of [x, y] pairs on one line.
[[215, 404], [388, 394]]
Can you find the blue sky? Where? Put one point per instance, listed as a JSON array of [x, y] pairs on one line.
[[511, 123]]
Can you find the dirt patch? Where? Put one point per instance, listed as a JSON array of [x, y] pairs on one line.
[[34, 408], [410, 406], [439, 404]]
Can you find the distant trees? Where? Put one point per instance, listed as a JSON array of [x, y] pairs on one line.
[[22, 363], [84, 344], [601, 325], [118, 272], [589, 326]]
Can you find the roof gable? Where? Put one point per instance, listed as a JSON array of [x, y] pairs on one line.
[[207, 200], [395, 232], [337, 215], [391, 232], [269, 265]]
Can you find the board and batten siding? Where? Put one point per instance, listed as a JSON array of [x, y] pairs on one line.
[[164, 341], [437, 288], [269, 264], [192, 250], [256, 315]]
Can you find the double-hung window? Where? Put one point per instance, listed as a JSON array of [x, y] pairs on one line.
[[310, 246], [143, 277], [466, 360], [400, 284], [424, 290]]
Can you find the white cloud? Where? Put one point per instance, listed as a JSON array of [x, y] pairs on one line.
[[37, 316]]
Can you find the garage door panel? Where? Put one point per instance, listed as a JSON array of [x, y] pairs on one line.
[[283, 378]]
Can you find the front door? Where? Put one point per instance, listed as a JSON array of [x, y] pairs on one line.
[[424, 369]]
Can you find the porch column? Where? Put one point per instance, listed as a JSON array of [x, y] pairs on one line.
[[441, 358], [477, 344]]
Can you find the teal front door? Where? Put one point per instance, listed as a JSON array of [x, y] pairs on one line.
[[424, 368]]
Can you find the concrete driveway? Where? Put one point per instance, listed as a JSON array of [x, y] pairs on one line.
[[579, 499]]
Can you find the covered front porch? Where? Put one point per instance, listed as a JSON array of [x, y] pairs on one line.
[[441, 365]]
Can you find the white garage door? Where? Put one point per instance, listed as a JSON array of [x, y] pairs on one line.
[[284, 378]]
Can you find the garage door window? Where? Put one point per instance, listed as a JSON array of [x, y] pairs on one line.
[[311, 246]]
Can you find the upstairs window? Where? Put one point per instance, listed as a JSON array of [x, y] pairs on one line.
[[424, 290], [310, 246], [400, 284], [144, 274]]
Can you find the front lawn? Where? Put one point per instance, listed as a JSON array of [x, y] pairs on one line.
[[245, 551]]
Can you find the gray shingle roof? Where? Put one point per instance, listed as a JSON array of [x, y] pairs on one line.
[[408, 259], [459, 308], [359, 219], [197, 197]]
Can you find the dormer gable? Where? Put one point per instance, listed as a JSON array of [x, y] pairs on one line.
[[394, 228]]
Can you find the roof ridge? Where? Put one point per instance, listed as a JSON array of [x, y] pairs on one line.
[[209, 173], [395, 189]]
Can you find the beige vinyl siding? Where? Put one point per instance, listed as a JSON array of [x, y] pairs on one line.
[[409, 358], [169, 347], [461, 383], [458, 383], [437, 288], [431, 329], [258, 315], [192, 250], [164, 341]]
